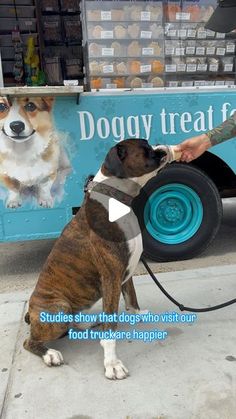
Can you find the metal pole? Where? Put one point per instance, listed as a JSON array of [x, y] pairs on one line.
[[1, 74]]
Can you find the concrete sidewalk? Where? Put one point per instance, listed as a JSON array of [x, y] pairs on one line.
[[190, 375]]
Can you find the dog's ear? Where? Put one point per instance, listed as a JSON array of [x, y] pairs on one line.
[[114, 161], [48, 101], [7, 101], [121, 151]]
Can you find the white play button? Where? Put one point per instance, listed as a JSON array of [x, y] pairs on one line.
[[118, 206], [117, 210]]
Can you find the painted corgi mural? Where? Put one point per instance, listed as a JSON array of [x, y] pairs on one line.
[[33, 161]]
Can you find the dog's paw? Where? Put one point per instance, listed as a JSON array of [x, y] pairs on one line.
[[53, 358], [13, 203], [45, 202], [115, 370], [133, 310]]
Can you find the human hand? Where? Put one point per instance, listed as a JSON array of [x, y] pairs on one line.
[[194, 147]]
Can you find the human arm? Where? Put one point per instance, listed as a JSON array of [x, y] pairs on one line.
[[223, 132], [194, 147]]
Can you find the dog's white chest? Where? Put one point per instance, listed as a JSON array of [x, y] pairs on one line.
[[24, 161], [128, 224], [26, 171], [134, 243], [135, 248]]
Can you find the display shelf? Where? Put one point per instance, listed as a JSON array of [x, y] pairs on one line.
[[19, 15], [124, 21], [61, 40], [144, 73], [41, 91], [113, 38], [125, 40]]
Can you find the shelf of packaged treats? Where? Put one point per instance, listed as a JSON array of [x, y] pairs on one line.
[[177, 65], [126, 50], [200, 82], [123, 31], [203, 48], [189, 11], [61, 41], [58, 30], [126, 68], [62, 6], [190, 31], [126, 82], [125, 11], [200, 64]]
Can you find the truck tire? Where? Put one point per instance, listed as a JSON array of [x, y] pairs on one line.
[[179, 212]]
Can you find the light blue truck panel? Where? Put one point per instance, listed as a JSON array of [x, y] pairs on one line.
[[88, 129]]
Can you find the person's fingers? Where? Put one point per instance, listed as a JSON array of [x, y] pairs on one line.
[[187, 156], [185, 144], [179, 147], [187, 159], [184, 155]]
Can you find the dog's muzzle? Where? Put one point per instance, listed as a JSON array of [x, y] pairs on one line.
[[18, 138], [171, 153]]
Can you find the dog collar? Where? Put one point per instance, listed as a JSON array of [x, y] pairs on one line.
[[109, 191]]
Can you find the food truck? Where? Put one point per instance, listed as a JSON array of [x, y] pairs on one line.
[[77, 78]]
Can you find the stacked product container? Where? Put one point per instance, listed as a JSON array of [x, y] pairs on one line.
[[149, 44]]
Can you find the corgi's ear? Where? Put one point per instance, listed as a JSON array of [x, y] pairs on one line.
[[48, 101]]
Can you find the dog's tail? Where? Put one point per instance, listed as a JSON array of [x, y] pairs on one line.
[[27, 318]]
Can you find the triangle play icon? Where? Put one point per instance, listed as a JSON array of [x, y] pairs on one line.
[[117, 210]]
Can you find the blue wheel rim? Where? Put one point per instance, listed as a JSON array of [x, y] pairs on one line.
[[173, 213]]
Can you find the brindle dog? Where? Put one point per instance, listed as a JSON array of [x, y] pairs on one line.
[[84, 265]]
